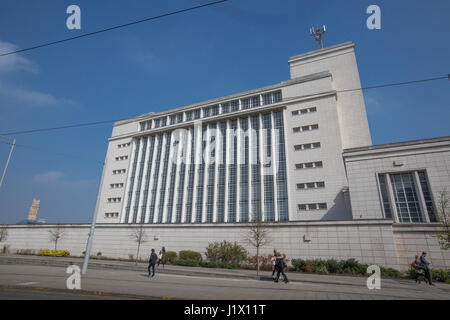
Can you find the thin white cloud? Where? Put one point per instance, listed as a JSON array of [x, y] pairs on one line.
[[373, 104], [15, 62], [61, 180], [48, 177], [35, 98]]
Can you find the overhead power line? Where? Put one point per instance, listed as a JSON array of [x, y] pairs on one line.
[[85, 124], [113, 28]]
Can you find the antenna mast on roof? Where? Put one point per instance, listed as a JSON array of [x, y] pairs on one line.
[[317, 33]]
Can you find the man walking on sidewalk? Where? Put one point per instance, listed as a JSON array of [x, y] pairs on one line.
[[152, 262], [280, 265]]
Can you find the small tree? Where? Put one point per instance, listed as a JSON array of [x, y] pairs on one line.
[[55, 234], [442, 214], [3, 233], [139, 235], [257, 236]]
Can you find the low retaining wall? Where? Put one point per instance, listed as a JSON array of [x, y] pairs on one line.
[[370, 241]]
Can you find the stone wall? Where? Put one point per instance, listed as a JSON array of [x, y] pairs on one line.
[[370, 241]]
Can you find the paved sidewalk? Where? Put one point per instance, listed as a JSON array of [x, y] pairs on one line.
[[206, 272]]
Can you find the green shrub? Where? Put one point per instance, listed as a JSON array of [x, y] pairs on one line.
[[322, 269], [226, 253], [187, 263], [298, 264], [190, 255], [390, 272], [333, 266], [440, 275], [362, 269], [318, 266], [349, 266], [170, 256]]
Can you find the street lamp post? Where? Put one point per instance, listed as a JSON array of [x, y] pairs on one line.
[[94, 219], [7, 161]]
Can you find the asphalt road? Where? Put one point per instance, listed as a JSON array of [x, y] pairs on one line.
[[126, 284]]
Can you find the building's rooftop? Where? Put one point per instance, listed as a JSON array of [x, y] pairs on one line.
[[227, 98], [387, 146]]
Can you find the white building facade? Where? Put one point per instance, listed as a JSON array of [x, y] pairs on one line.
[[274, 151]]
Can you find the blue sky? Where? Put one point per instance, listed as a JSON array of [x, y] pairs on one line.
[[187, 58]]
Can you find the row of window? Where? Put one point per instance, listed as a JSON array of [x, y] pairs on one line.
[[111, 215], [306, 128], [119, 171], [116, 185], [123, 145], [308, 165], [306, 146], [203, 189], [312, 206], [311, 185], [235, 105], [121, 158], [113, 200], [303, 111]]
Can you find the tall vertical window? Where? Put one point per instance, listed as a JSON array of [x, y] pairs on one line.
[[426, 195], [147, 176], [164, 178], [139, 184], [131, 184], [385, 196], [191, 175], [232, 169], [281, 177], [256, 169], [200, 181], [406, 200], [221, 173], [244, 163], [211, 175], [181, 177], [155, 179], [173, 171], [269, 208]]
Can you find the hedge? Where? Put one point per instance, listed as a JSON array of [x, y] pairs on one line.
[[349, 266], [190, 255], [50, 252], [170, 256]]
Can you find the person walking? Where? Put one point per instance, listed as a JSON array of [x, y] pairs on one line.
[[151, 263], [162, 256], [273, 261], [425, 266], [280, 265], [417, 272]]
